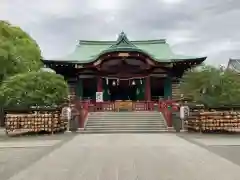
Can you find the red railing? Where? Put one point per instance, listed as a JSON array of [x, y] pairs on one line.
[[164, 106], [143, 106], [104, 106], [167, 107], [83, 108]]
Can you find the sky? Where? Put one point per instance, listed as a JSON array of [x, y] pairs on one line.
[[192, 27]]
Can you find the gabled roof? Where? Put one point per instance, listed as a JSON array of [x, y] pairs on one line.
[[158, 50], [234, 64]]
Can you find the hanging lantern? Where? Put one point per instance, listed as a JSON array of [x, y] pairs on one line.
[[138, 91], [117, 81], [133, 83], [140, 81], [114, 83], [107, 81]]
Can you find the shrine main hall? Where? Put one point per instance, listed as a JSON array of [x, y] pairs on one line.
[[144, 70]]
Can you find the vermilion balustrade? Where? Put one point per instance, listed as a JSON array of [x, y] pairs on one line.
[[83, 108], [167, 107], [104, 106], [164, 106], [143, 106]]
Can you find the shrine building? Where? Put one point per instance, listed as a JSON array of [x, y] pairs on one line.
[[144, 70]]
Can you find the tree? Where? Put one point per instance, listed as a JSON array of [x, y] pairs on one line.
[[196, 81], [33, 88], [211, 86], [19, 53]]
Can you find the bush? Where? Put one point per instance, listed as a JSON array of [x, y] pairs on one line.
[[33, 89]]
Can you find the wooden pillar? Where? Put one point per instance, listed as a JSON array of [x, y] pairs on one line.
[[147, 89], [168, 88], [99, 84], [79, 88]]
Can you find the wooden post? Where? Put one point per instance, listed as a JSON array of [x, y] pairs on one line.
[[79, 88], [167, 88], [99, 84], [147, 89]]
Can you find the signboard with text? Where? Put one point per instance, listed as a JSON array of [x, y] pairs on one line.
[[99, 96], [184, 112]]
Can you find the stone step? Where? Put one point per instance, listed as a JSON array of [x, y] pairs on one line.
[[124, 131], [128, 112], [125, 122], [118, 122], [125, 119], [110, 126], [130, 122], [126, 125], [118, 116]]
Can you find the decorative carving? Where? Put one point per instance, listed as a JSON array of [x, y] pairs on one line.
[[97, 62], [168, 65], [158, 75], [158, 70], [124, 68], [77, 66], [123, 54], [150, 62]]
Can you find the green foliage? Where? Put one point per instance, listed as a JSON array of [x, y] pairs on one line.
[[210, 86], [196, 80], [33, 88], [19, 53]]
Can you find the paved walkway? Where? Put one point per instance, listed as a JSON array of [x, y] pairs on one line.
[[130, 157]]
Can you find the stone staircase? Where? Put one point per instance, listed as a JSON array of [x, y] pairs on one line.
[[125, 122]]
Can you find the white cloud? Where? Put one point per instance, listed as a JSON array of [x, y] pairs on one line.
[[105, 4], [172, 1], [180, 37], [220, 46]]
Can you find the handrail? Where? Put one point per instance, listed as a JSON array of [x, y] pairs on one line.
[[164, 106]]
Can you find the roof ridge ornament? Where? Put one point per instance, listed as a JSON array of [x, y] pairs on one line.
[[123, 42], [122, 34]]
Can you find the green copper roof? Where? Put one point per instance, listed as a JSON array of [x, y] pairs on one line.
[[159, 50]]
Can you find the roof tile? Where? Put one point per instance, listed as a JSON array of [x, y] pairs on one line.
[[159, 50]]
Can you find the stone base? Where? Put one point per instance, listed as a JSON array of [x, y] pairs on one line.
[[67, 131], [80, 130]]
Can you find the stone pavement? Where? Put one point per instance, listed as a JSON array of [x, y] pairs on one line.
[[129, 157], [225, 145], [18, 153], [2, 131]]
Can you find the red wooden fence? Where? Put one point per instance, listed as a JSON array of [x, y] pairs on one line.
[[164, 106], [143, 106]]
